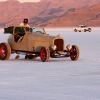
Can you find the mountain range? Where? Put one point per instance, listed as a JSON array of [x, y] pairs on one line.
[[51, 13]]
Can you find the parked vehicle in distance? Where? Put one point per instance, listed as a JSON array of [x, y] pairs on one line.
[[35, 42], [82, 28]]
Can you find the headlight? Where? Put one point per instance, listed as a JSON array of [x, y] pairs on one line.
[[53, 47], [69, 47]]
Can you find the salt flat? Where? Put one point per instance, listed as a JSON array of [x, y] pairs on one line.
[[58, 79]]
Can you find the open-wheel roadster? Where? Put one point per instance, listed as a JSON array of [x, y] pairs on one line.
[[35, 42]]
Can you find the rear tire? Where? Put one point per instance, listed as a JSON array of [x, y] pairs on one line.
[[44, 54], [74, 53], [5, 51]]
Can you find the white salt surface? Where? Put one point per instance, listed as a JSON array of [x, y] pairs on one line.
[[58, 79]]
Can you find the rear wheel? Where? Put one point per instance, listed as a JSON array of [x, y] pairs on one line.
[[5, 51], [44, 54], [74, 53]]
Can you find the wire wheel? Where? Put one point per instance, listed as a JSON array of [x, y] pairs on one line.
[[74, 53], [5, 51], [44, 54]]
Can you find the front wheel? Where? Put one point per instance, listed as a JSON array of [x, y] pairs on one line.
[[5, 51], [44, 54], [74, 53], [75, 30]]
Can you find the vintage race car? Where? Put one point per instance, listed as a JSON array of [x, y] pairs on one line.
[[35, 42], [82, 28]]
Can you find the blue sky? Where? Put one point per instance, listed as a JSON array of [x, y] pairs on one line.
[[24, 0]]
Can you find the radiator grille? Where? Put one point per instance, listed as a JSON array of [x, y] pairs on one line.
[[59, 43]]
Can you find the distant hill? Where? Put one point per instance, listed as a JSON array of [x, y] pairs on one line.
[[88, 16], [51, 13]]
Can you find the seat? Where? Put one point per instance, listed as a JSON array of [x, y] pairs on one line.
[[19, 32]]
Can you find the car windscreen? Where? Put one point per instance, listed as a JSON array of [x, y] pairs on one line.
[[38, 30]]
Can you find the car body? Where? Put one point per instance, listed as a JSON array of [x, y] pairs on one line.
[[35, 42], [82, 28]]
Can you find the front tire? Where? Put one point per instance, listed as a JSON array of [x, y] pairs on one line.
[[74, 53], [44, 54], [5, 51], [75, 30]]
